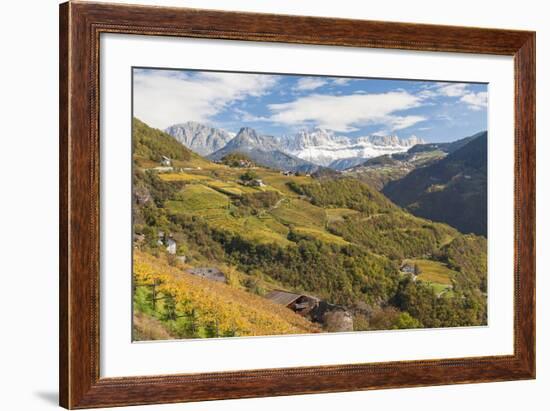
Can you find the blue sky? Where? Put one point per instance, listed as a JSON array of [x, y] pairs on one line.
[[284, 104]]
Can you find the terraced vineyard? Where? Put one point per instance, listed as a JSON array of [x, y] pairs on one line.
[[335, 238], [189, 306], [212, 197]]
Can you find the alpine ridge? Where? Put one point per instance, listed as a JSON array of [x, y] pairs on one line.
[[263, 150], [324, 148], [317, 146], [199, 137]]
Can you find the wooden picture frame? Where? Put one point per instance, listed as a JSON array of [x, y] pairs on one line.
[[80, 27]]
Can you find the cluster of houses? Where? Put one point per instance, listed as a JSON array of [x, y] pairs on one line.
[[289, 173], [240, 163], [243, 163]]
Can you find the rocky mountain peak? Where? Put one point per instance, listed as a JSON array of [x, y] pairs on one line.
[[199, 137]]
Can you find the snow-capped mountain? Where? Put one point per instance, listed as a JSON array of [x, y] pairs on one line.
[[316, 137], [200, 138], [262, 150], [393, 141], [324, 148], [316, 146]]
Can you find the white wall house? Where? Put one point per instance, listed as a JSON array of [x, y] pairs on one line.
[[171, 246], [165, 161]]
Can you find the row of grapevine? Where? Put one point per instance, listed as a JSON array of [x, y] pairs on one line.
[[195, 307]]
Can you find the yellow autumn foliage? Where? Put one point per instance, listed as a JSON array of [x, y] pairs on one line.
[[232, 310]]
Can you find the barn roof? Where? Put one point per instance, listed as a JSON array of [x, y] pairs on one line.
[[282, 297]]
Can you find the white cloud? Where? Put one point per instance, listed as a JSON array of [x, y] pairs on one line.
[[341, 81], [163, 98], [475, 101], [444, 89], [346, 113], [309, 83], [245, 116], [445, 117], [427, 94], [399, 123], [453, 89]]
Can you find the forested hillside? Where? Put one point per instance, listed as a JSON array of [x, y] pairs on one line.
[[335, 238], [380, 171], [452, 190]]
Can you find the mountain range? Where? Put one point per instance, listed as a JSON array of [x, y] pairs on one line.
[[452, 189], [324, 148], [263, 150], [305, 151], [440, 181]]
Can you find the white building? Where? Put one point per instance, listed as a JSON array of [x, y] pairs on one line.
[[165, 161], [171, 246]]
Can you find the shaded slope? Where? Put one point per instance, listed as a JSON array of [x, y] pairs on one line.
[[452, 190]]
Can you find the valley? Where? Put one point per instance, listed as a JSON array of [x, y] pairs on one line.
[[271, 220]]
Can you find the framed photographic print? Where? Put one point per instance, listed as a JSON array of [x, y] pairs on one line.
[[259, 205]]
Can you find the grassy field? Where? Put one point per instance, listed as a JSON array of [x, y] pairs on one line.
[[433, 271], [232, 188], [338, 214], [300, 213], [442, 289], [229, 188], [147, 328], [197, 197], [185, 177], [254, 228], [279, 181], [321, 235]]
